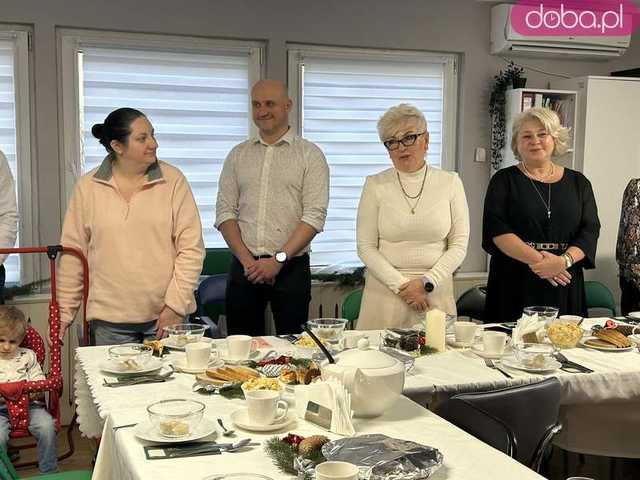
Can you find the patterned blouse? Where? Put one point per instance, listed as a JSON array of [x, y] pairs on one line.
[[628, 246]]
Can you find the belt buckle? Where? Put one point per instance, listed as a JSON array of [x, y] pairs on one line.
[[548, 246]]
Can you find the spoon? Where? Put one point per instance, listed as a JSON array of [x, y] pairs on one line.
[[239, 444], [227, 433]]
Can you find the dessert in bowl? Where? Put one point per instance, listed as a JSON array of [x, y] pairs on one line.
[[564, 333], [130, 357], [534, 355], [176, 417], [180, 335]]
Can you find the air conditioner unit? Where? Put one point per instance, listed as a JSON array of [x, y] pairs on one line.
[[506, 41]]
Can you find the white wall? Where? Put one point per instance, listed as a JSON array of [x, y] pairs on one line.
[[459, 26]]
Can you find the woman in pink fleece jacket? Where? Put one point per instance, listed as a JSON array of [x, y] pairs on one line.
[[136, 220]]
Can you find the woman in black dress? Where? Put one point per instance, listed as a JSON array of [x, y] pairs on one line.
[[540, 225]]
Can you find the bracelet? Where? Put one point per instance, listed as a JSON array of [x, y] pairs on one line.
[[568, 260], [570, 256]]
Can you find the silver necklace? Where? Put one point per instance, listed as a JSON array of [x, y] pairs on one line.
[[547, 204], [418, 196]]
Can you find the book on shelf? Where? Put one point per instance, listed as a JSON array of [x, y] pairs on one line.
[[527, 101], [538, 100]]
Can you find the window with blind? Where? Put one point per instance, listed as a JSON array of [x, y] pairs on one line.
[[339, 95], [197, 102], [15, 140]]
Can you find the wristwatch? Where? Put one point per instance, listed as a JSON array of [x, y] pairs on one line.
[[428, 286], [281, 257]]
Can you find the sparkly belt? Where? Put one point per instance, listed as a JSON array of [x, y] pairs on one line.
[[548, 246]]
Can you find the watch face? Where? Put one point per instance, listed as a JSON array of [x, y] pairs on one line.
[[281, 257], [428, 287]]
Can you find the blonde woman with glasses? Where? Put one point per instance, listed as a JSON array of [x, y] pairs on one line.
[[412, 228], [540, 225]]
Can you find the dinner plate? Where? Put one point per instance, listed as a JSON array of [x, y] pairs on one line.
[[147, 431], [478, 349], [181, 365], [240, 419], [169, 344], [512, 362], [585, 343], [152, 365]]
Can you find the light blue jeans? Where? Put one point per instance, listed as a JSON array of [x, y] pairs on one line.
[[42, 427], [108, 333]]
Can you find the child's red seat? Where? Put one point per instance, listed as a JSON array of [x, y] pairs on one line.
[[16, 394]]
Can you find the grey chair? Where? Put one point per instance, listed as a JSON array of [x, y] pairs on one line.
[[520, 421]]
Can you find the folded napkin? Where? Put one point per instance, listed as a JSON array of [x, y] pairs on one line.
[[528, 329], [332, 395]]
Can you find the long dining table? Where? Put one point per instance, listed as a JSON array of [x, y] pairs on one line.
[[121, 456]]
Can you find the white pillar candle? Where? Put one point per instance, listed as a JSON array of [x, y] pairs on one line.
[[434, 327]]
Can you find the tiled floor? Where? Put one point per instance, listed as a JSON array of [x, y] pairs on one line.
[[80, 460]]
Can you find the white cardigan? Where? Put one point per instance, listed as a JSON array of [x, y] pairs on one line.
[[396, 245]]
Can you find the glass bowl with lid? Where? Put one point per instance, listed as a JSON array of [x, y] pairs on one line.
[[183, 333], [130, 356]]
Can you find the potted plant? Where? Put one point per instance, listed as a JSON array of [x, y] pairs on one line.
[[505, 79]]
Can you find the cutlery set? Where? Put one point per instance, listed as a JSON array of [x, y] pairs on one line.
[[140, 379], [159, 452]]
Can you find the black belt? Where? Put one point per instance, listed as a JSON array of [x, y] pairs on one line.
[[548, 246]]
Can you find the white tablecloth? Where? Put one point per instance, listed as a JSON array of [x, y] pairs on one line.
[[121, 454]]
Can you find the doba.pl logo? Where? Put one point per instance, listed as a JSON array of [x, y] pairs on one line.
[[574, 18]]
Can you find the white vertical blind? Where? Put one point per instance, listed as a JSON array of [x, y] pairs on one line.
[[197, 103], [8, 132], [341, 97]]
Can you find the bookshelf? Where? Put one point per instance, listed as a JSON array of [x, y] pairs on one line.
[[563, 102]]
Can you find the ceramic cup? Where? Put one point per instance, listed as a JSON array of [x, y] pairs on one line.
[[494, 342], [465, 332], [199, 354], [239, 346], [263, 407], [351, 338], [336, 471]]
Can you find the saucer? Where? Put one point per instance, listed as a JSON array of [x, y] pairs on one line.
[[152, 365], [240, 419], [549, 366], [167, 343], [147, 431], [236, 361], [181, 365], [478, 349], [451, 341]]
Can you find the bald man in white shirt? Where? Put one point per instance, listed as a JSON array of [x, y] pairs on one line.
[[273, 194]]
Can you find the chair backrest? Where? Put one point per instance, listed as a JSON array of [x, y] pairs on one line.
[[516, 420], [7, 471], [216, 260], [210, 295], [599, 296], [351, 306], [471, 303]]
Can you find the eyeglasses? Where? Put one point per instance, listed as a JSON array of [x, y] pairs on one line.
[[407, 141]]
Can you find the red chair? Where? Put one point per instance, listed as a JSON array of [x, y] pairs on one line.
[[16, 394]]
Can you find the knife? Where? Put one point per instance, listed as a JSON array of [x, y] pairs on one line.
[[569, 364]]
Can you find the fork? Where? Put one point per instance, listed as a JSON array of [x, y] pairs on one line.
[[489, 363]]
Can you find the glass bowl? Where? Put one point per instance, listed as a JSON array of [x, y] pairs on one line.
[[180, 335], [544, 312], [534, 355], [564, 333], [130, 356], [176, 417], [328, 330]]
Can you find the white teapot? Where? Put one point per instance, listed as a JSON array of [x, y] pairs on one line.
[[374, 379]]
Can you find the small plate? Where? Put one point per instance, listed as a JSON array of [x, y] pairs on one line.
[[146, 431], [181, 365], [240, 419], [478, 349], [167, 343], [151, 366], [585, 343], [635, 315], [451, 341], [511, 362]]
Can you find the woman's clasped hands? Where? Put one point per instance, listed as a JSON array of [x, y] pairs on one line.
[[552, 268], [414, 295]]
